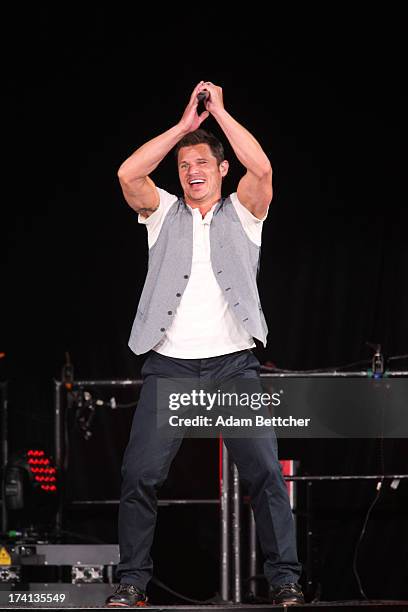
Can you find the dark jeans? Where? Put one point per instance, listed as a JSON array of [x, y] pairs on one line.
[[148, 458]]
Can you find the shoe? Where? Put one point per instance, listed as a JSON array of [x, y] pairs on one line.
[[126, 595], [288, 594]]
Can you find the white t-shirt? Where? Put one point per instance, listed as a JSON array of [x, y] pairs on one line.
[[203, 325]]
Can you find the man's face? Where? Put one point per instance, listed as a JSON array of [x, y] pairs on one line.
[[200, 174]]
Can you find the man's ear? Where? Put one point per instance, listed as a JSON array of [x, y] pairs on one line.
[[224, 167]]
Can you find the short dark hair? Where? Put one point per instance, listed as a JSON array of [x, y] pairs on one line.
[[202, 137]]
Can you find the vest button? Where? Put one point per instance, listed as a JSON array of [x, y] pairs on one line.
[[186, 276], [162, 329], [178, 294], [228, 289], [170, 312]]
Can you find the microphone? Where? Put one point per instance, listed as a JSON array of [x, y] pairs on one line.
[[203, 96]]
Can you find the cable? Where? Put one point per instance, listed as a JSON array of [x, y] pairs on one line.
[[255, 577], [250, 597], [360, 539], [159, 583], [373, 503]]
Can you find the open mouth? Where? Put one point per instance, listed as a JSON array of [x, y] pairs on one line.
[[196, 184]]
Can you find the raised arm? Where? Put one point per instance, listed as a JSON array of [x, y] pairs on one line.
[[138, 188], [255, 188]]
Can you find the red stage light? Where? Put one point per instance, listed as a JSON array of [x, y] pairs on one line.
[[42, 474], [31, 483]]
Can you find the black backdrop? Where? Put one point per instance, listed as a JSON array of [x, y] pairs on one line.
[[327, 102]]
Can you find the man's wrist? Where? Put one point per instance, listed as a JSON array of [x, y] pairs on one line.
[[180, 131], [219, 114]]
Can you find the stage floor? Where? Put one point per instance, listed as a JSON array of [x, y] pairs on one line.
[[34, 595], [90, 596]]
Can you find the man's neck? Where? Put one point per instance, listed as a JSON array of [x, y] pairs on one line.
[[204, 206]]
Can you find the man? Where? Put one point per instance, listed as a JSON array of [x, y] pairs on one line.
[[198, 315]]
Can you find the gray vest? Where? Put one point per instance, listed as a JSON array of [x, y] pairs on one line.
[[234, 260]]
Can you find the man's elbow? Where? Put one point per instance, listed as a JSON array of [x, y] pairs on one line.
[[130, 182], [266, 171], [123, 176], [262, 173]]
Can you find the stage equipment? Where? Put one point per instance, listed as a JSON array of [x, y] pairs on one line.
[[3, 449], [9, 574], [377, 361], [84, 572], [31, 487], [78, 407], [394, 383], [230, 516]]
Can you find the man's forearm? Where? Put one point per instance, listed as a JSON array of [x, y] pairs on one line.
[[245, 146], [146, 159]]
